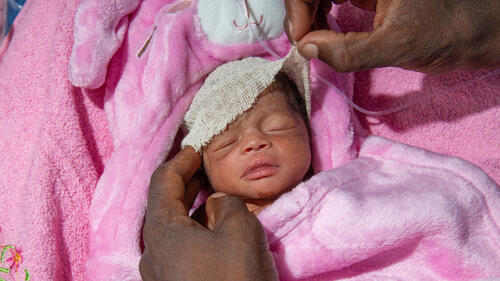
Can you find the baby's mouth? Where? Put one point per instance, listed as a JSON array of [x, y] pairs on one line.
[[260, 170]]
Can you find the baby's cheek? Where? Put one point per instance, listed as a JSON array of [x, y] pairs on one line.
[[220, 176], [209, 170], [298, 154]]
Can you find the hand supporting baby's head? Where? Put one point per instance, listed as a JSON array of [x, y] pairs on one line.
[[252, 132]]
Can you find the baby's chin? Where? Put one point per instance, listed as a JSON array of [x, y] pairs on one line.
[[266, 190], [261, 191], [259, 201]]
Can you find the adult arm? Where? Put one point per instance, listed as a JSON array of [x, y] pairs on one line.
[[427, 36], [178, 248]]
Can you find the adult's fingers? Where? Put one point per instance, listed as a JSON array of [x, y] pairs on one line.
[[353, 51], [193, 187], [300, 17], [242, 230], [145, 267], [168, 183], [185, 163], [404, 35]]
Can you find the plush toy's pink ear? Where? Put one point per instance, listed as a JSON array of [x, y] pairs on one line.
[[99, 29]]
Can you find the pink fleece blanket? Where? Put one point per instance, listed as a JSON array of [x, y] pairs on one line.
[[59, 143], [395, 213], [54, 142]]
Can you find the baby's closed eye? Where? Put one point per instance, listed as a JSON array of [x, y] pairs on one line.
[[225, 143], [279, 124]]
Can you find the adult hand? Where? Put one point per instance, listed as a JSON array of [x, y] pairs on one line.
[[428, 36], [178, 248]]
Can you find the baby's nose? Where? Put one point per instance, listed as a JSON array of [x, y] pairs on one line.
[[256, 142]]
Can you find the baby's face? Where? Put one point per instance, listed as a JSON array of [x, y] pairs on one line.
[[264, 153]]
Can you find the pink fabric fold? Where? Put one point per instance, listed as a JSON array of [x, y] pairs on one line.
[[396, 212]]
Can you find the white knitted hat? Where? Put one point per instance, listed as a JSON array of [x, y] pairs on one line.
[[233, 88]]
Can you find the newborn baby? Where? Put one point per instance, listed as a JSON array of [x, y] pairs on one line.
[[249, 122]]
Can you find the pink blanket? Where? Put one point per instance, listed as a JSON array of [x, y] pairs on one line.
[[54, 144], [395, 213], [76, 162]]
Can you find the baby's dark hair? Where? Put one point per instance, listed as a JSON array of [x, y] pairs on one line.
[[295, 100]]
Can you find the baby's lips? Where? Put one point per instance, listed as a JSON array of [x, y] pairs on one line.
[[259, 170]]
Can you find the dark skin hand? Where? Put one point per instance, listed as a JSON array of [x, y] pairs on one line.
[[427, 36], [178, 248]]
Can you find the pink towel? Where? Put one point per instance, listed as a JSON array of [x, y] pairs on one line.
[[456, 113], [395, 213], [54, 143]]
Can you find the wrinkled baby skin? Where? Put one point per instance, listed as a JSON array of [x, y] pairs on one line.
[[262, 154]]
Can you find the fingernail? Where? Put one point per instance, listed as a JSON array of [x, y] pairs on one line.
[[310, 51], [218, 195]]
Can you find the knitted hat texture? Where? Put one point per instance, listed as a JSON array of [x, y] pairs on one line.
[[233, 88]]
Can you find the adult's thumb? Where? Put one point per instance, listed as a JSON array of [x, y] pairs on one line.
[[345, 52], [242, 231], [229, 213]]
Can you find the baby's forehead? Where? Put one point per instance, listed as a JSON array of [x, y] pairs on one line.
[[272, 97], [267, 103]]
